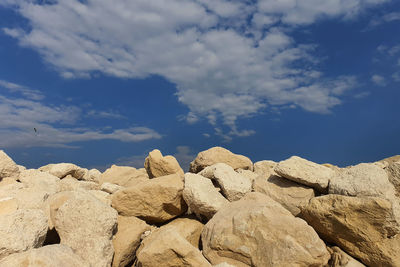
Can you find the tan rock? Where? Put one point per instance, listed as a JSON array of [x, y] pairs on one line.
[[22, 230], [92, 175], [339, 258], [8, 181], [365, 228], [189, 228], [257, 231], [102, 196], [27, 198], [248, 174], [61, 170], [110, 188], [233, 185], [290, 195], [53, 203], [157, 165], [305, 172], [265, 168], [157, 200], [224, 264], [202, 198], [41, 180], [123, 176], [8, 205], [86, 225], [47, 256], [127, 239], [71, 184], [220, 155], [8, 168], [393, 170]]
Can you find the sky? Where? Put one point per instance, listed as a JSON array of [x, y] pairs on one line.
[[99, 82]]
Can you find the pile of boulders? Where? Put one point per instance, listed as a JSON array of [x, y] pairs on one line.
[[226, 211]]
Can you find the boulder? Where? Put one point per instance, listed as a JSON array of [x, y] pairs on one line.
[[70, 183], [102, 196], [233, 185], [248, 174], [265, 168], [257, 231], [8, 181], [123, 176], [202, 198], [290, 195], [8, 168], [393, 171], [127, 239], [86, 225], [189, 228], [220, 155], [53, 203], [339, 258], [92, 175], [157, 165], [365, 228], [61, 170], [8, 205], [41, 180], [22, 230], [27, 198], [47, 256], [110, 188], [156, 200], [305, 172]]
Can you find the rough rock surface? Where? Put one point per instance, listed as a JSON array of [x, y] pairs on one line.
[[339, 258], [265, 168], [8, 205], [47, 256], [61, 170], [248, 174], [393, 171], [102, 196], [202, 198], [92, 175], [156, 200], [157, 165], [257, 231], [123, 176], [233, 185], [22, 230], [188, 228], [41, 180], [53, 203], [71, 184], [220, 155], [364, 227], [110, 188], [305, 172], [8, 168], [27, 198]]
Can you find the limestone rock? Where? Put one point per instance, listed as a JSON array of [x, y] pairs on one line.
[[47, 256], [41, 180], [233, 185], [257, 231], [8, 168], [22, 230], [53, 203], [365, 228], [393, 170], [201, 196], [27, 198], [157, 200], [111, 188], [61, 170], [248, 174], [305, 172], [189, 228], [8, 205], [86, 225], [127, 239], [7, 181], [289, 194], [102, 196], [123, 176], [71, 184], [157, 165], [220, 155], [265, 168], [224, 264], [92, 175], [339, 258]]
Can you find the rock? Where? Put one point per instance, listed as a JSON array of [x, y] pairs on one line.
[[47, 256], [189, 228], [92, 175], [305, 172], [290, 195], [71, 184], [53, 203], [220, 155], [41, 180], [365, 228], [224, 264], [110, 188], [393, 171], [61, 170], [123, 176], [155, 201], [102, 196], [157, 165], [201, 196], [8, 181], [8, 205], [127, 239], [27, 198], [339, 258], [265, 168], [257, 231], [248, 174], [86, 225], [233, 185], [8, 168], [22, 230]]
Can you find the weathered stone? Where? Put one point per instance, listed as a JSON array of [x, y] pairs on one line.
[[92, 175], [47, 256], [53, 203], [123, 176], [8, 205], [22, 230], [102, 196], [8, 168], [248, 174], [365, 228], [157, 200], [202, 198], [233, 185], [305, 172], [289, 194], [71, 184], [61, 170], [27, 198], [41, 180], [110, 188], [265, 168], [224, 264], [339, 258], [127, 239], [8, 181], [188, 228], [86, 225], [393, 170], [157, 165], [220, 155], [257, 231]]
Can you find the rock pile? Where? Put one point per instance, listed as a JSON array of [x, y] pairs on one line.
[[225, 212]]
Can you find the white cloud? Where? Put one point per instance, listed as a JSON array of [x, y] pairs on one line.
[[224, 65], [378, 80], [20, 89], [386, 18]]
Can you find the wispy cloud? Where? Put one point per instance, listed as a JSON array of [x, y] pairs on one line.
[[386, 18], [378, 80], [23, 90]]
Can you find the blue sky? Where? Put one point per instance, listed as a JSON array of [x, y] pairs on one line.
[[106, 82]]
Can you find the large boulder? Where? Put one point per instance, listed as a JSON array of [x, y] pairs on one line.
[[393, 171], [47, 256], [41, 180], [202, 198], [22, 230], [157, 165], [233, 185], [265, 168], [305, 172], [220, 155], [8, 205], [365, 228], [257, 231], [92, 175], [187, 227], [123, 176], [156, 200], [86, 225], [27, 197], [61, 170], [53, 203], [110, 188], [70, 183], [8, 168]]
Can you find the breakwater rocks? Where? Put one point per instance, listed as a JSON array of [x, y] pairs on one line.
[[227, 211]]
